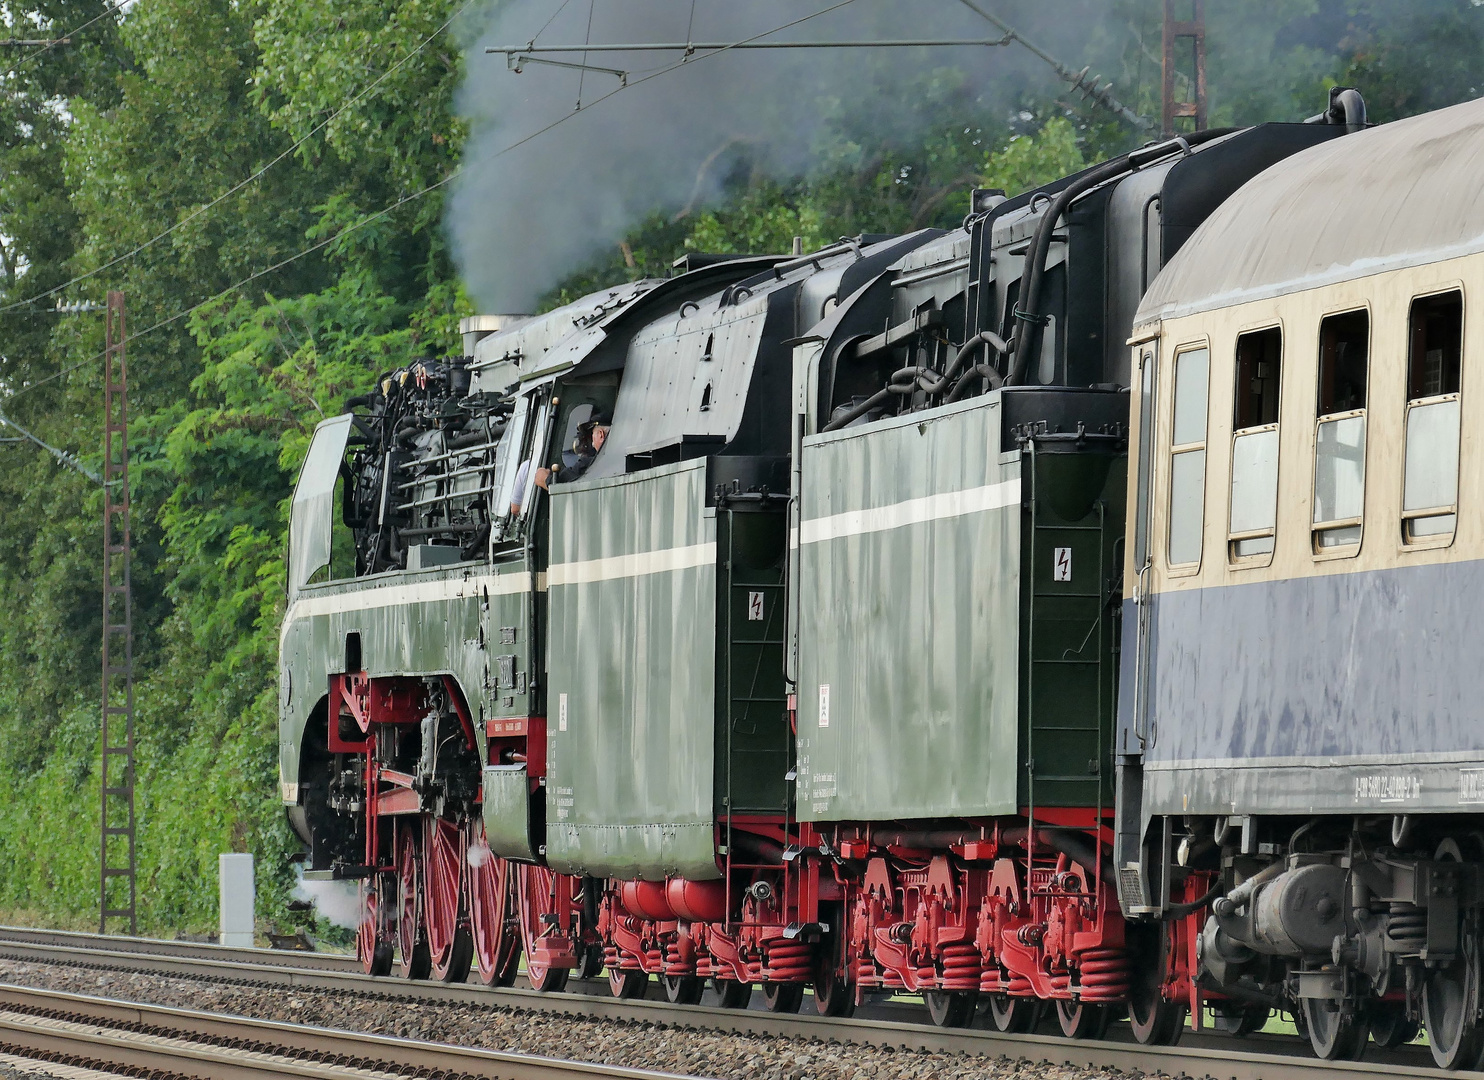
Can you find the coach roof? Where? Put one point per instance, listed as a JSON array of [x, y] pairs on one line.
[[1401, 194]]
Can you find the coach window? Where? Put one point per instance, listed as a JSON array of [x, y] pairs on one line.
[[1254, 494], [1188, 457], [1339, 437], [1434, 367]]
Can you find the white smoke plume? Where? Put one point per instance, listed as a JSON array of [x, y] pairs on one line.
[[519, 221], [337, 901]]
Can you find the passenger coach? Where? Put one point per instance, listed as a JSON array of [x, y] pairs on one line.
[[1300, 707]]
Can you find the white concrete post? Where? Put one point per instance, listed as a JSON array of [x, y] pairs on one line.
[[238, 900]]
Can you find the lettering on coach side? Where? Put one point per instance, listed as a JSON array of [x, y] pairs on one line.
[[1387, 788], [1471, 785]]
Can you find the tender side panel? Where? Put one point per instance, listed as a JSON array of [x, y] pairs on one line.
[[631, 660], [909, 556]]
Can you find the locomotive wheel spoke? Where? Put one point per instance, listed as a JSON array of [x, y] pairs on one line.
[[373, 947], [496, 939], [450, 946], [415, 960]]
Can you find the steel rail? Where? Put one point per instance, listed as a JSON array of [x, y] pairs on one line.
[[187, 1041], [1221, 1057]]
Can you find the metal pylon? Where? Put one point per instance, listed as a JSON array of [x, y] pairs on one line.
[[1177, 31], [116, 857]]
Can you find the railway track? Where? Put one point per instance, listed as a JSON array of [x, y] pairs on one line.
[[103, 1035], [1262, 1057]]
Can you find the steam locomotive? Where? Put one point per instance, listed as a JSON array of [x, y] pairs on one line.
[[930, 620]]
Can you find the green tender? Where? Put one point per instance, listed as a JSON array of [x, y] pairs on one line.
[[932, 668], [631, 661]]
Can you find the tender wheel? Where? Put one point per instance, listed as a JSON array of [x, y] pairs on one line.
[[1389, 1025], [1334, 1034], [374, 946], [629, 985], [415, 961], [1015, 1015], [1079, 1021], [683, 989], [951, 1008], [537, 888], [589, 963], [732, 993], [833, 995], [783, 997]]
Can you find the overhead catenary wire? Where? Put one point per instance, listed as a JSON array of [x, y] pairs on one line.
[[66, 38], [240, 185], [404, 200], [1079, 79], [61, 455]]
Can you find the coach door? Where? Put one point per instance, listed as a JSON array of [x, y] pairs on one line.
[[1143, 531], [1133, 722]]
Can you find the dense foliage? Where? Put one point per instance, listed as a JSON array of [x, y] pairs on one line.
[[122, 161]]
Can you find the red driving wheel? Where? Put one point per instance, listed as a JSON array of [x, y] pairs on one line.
[[414, 962], [450, 948], [539, 919], [373, 944], [492, 914]]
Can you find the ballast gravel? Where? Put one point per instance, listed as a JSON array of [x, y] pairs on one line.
[[638, 1045]]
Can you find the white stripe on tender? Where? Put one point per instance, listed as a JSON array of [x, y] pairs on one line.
[[626, 566], [423, 592], [950, 504]]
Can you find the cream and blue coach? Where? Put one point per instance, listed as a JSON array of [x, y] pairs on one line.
[[1303, 588]]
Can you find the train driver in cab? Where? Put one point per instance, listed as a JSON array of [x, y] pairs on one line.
[[576, 460]]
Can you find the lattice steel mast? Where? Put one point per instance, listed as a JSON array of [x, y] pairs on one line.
[[116, 857]]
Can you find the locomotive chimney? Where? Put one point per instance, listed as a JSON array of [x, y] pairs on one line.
[[476, 327]]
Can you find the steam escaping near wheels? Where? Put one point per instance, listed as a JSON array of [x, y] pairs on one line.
[[337, 902]]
